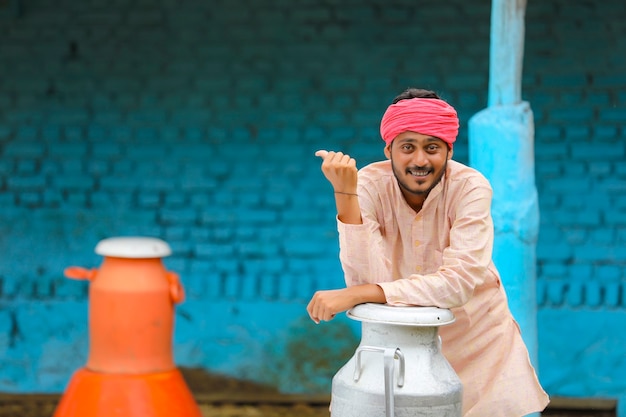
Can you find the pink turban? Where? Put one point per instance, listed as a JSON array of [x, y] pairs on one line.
[[428, 116]]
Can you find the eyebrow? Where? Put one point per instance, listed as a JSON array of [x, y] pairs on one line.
[[429, 139]]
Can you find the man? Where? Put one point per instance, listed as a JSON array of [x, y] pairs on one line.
[[417, 230]]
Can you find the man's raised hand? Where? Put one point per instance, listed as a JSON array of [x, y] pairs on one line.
[[340, 170]]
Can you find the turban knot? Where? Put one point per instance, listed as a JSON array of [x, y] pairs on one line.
[[428, 116]]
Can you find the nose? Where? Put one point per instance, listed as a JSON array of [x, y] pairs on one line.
[[420, 158]]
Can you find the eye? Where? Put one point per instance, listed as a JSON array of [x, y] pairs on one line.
[[407, 147], [432, 148]]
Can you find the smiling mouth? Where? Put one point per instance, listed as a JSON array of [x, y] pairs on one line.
[[418, 173]]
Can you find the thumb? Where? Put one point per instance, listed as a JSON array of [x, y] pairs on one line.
[[321, 153]]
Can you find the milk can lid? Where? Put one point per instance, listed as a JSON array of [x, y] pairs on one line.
[[400, 315], [135, 247]]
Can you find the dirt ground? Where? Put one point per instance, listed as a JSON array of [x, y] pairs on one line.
[[218, 396]]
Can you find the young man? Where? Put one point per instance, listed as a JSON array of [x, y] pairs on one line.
[[417, 230]]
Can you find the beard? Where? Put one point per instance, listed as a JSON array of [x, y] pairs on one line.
[[405, 186]]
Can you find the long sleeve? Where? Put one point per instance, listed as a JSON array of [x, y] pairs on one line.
[[362, 253]]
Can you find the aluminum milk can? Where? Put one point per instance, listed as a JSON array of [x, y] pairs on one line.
[[398, 369]]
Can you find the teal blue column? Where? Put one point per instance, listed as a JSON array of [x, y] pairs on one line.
[[501, 146]]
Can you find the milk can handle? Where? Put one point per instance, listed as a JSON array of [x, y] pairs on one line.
[[77, 272], [389, 355], [177, 293]]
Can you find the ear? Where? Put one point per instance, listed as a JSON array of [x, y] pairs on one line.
[[450, 153], [388, 150]]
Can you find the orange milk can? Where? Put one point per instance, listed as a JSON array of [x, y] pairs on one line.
[[131, 307], [130, 369]]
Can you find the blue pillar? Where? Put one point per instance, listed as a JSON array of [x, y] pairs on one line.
[[501, 146]]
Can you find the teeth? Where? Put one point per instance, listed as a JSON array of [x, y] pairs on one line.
[[419, 173]]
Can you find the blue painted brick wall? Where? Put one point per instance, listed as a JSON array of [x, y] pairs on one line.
[[197, 123]]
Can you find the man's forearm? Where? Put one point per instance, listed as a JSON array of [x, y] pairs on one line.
[[348, 209], [326, 304], [366, 293]]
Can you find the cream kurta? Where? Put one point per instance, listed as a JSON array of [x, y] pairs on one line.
[[441, 257]]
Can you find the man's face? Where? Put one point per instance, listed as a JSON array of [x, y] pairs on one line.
[[418, 161]]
